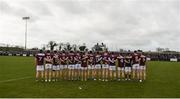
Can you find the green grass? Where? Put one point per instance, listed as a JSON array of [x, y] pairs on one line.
[[163, 80]]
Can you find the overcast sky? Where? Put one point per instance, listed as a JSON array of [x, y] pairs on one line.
[[128, 24]]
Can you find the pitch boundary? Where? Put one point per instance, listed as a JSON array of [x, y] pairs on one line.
[[10, 80]]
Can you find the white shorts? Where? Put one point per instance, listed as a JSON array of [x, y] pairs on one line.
[[135, 66], [83, 68], [71, 66], [105, 66], [65, 66], [113, 68], [78, 66], [48, 66], [98, 66], [61, 67], [127, 69], [120, 68], [40, 68], [89, 66], [142, 67], [55, 67]]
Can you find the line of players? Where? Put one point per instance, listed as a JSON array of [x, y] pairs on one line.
[[105, 66]]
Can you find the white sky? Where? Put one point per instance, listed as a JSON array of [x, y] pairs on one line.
[[128, 24]]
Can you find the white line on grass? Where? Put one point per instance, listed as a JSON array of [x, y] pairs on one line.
[[15, 79]]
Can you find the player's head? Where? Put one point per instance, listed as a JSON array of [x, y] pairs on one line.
[[135, 51], [40, 51], [55, 52], [90, 52], [48, 51]]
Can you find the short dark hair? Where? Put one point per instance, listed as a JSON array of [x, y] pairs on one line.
[[48, 51], [40, 51]]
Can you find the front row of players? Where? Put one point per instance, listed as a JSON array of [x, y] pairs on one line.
[[88, 65]]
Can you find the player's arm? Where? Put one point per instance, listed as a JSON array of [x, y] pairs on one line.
[[35, 61]]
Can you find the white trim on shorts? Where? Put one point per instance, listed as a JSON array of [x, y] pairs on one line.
[[48, 66], [120, 68], [127, 69], [112, 67], [84, 68], [135, 66], [40, 68], [98, 66], [142, 67], [105, 66]]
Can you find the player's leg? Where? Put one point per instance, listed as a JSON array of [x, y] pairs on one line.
[[118, 73], [95, 72], [85, 74], [103, 72], [110, 72], [106, 72], [114, 72], [122, 73], [133, 71], [37, 73], [46, 72], [137, 71]]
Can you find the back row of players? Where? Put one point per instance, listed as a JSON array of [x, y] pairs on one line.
[[104, 66]]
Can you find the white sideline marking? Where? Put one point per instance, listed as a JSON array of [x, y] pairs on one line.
[[15, 79]]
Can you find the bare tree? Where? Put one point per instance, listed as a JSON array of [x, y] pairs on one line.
[[52, 44]]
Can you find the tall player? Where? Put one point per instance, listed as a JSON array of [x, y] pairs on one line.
[[135, 66], [128, 66], [120, 67], [105, 66], [63, 60], [61, 67], [112, 66], [48, 66], [71, 64], [77, 72], [142, 67], [90, 65], [55, 66], [39, 60], [84, 67], [98, 60]]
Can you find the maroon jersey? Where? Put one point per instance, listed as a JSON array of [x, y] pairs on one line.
[[77, 58], [63, 59], [120, 61], [135, 59], [84, 60], [142, 60], [98, 59], [49, 57], [55, 59], [91, 59], [40, 58], [105, 58], [71, 58], [112, 60]]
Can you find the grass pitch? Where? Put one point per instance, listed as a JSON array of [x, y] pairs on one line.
[[17, 80]]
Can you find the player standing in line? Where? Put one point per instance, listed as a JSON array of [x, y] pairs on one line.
[[78, 65], [71, 65], [39, 60], [98, 59], [84, 67], [120, 67], [63, 60], [135, 66], [90, 65], [48, 66], [105, 66], [142, 67], [112, 66], [55, 66], [128, 66], [61, 67]]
